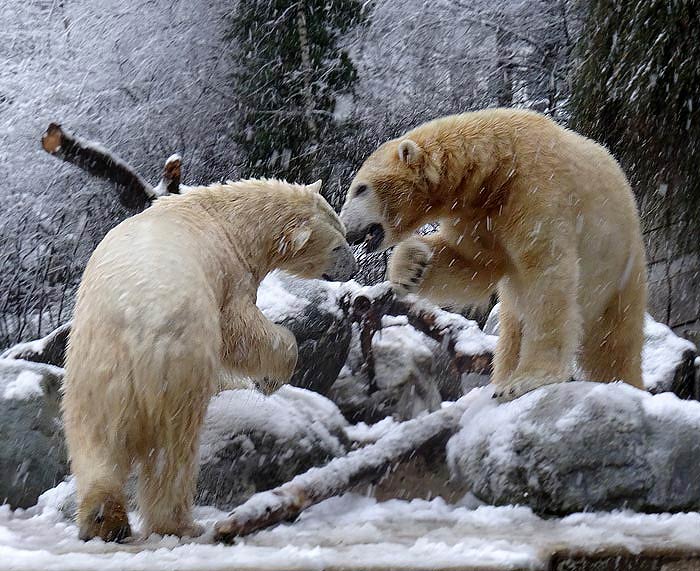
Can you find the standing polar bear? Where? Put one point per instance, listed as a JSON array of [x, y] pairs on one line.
[[166, 303], [538, 211]]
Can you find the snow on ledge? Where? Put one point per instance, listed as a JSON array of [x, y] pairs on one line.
[[349, 532]]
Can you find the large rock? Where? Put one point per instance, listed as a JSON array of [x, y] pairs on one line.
[[668, 361], [32, 454], [251, 442], [310, 310], [581, 446]]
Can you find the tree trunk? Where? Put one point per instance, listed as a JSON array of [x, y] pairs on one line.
[[306, 69]]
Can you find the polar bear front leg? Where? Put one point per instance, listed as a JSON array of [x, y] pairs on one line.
[[551, 330], [409, 264], [432, 267], [256, 347]]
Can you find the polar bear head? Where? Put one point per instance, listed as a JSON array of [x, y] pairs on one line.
[[312, 242], [391, 194]]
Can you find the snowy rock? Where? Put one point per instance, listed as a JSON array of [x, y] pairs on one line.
[[251, 442], [310, 310], [50, 349], [579, 446], [405, 376], [32, 455], [667, 360]]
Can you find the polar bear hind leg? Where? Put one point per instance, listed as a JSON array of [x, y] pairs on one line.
[[612, 345], [169, 461], [101, 471]]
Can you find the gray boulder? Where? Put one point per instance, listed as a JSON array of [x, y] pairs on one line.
[[321, 328], [252, 443], [581, 446], [32, 453]]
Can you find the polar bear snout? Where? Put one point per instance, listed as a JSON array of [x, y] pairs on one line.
[[343, 265], [364, 220], [371, 235]]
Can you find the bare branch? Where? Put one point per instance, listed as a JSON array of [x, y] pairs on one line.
[[443, 327]]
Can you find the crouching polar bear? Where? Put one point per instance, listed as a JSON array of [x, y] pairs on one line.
[[538, 211], [167, 302]]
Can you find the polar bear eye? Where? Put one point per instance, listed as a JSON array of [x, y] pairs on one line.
[[360, 189]]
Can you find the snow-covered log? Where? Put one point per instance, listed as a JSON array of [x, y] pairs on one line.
[[369, 463], [134, 191]]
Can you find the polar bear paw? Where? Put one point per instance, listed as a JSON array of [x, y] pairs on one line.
[[519, 386], [408, 265]]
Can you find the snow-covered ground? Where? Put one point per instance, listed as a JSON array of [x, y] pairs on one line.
[[347, 532]]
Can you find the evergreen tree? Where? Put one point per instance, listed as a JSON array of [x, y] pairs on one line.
[[636, 91], [637, 88], [287, 83]]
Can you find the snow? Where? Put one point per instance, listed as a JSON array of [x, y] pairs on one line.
[[351, 531], [661, 345], [398, 338], [276, 301], [290, 413], [281, 295], [471, 340], [25, 385], [364, 433], [23, 379], [495, 420]]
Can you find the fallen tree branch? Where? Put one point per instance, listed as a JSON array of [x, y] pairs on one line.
[[367, 308], [366, 464], [134, 192]]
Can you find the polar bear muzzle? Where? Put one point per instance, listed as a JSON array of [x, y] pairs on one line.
[[371, 235], [342, 266]]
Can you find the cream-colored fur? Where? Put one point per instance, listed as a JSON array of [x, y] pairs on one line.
[[537, 211], [165, 313]]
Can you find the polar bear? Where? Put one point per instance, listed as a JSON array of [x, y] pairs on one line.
[[537, 211], [166, 303]]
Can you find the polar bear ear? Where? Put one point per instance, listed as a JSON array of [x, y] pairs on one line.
[[298, 238], [315, 187], [409, 152]]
